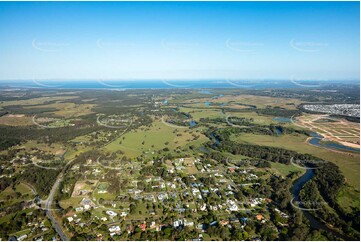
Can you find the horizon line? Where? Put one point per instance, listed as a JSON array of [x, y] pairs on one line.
[[181, 79]]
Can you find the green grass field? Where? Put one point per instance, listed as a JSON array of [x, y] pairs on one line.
[[68, 110], [16, 120], [258, 119], [9, 196], [71, 153], [73, 201], [202, 113], [55, 148], [259, 101], [284, 170], [23, 189], [36, 101], [348, 198], [154, 138]]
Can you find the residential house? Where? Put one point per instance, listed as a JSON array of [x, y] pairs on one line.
[[111, 213], [143, 226]]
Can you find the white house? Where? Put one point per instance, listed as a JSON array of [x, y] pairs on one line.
[[22, 237], [177, 223], [188, 224], [114, 229], [203, 207], [111, 213]]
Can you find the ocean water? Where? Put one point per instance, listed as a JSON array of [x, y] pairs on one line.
[[147, 84]]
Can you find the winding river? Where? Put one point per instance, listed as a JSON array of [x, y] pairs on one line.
[[314, 222], [295, 190]]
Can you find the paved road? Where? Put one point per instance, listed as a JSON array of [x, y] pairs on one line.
[[49, 213], [49, 201]]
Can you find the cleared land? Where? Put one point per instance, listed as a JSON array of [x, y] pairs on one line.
[[67, 110], [56, 148], [240, 101], [36, 101], [16, 120], [158, 136], [339, 130], [284, 170]]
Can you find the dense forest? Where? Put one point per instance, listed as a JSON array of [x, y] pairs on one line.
[[42, 179]]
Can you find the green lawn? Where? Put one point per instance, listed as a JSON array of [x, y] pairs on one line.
[[105, 196]]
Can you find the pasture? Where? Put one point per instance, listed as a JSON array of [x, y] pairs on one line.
[[16, 120], [55, 148], [202, 113], [35, 101], [157, 137], [241, 101], [66, 110]]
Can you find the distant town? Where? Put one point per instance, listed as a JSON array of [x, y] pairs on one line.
[[351, 110]]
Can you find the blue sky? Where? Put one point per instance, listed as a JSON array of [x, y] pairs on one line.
[[179, 40]]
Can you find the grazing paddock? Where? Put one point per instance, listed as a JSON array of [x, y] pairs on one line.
[[236, 101], [67, 110], [156, 137], [36, 101], [202, 113], [16, 120], [32, 146]]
